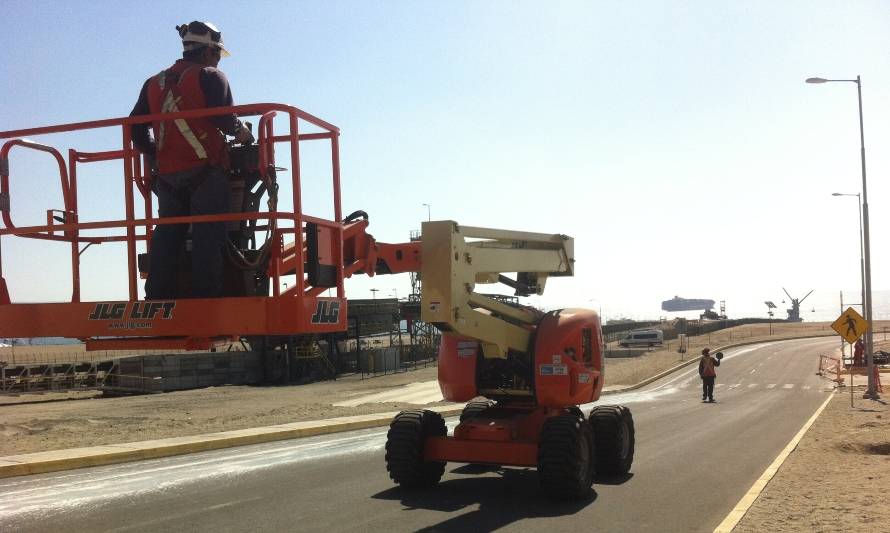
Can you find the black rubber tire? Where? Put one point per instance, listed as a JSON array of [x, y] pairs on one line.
[[474, 407], [566, 457], [404, 448], [614, 438]]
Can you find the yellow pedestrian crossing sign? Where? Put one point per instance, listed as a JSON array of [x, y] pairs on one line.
[[850, 325]]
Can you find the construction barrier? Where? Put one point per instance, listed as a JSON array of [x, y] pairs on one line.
[[830, 367]]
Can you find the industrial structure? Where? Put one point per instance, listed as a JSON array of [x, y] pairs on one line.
[[794, 311]]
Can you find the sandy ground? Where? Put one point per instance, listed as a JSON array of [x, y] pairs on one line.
[[835, 480], [32, 423]]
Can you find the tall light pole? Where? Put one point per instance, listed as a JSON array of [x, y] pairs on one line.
[[427, 211], [869, 346], [861, 252]]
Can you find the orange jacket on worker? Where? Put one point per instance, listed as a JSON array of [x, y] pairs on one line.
[[183, 144], [706, 367]]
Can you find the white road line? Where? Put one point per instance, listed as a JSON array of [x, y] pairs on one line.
[[771, 386], [752, 385], [788, 386], [717, 386], [735, 385], [752, 371], [806, 387]]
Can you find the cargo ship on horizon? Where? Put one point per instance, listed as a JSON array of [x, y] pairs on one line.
[[676, 304]]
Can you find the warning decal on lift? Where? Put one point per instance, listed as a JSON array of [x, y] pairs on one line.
[[466, 348], [554, 370]]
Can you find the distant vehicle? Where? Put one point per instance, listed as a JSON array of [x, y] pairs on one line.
[[686, 304], [643, 337]]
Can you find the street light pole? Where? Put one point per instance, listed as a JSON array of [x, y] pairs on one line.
[[869, 344], [427, 212], [861, 251]]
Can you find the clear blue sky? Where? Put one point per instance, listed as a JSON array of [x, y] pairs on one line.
[[675, 141]]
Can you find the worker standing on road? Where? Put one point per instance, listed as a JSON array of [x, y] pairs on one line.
[[707, 370], [192, 161]]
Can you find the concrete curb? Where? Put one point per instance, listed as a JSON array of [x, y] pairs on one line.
[[53, 461], [56, 460]]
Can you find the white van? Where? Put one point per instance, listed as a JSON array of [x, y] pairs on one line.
[[643, 337]]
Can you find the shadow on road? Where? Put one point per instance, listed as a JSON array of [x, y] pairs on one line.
[[503, 496], [612, 480]]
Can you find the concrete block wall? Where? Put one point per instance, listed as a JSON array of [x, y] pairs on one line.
[[190, 371]]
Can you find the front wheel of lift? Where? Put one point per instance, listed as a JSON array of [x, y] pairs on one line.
[[404, 448], [566, 457], [614, 435]]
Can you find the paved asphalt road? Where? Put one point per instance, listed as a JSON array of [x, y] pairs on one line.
[[694, 461]]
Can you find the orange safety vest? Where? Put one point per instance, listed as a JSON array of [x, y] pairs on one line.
[[184, 144], [708, 367]]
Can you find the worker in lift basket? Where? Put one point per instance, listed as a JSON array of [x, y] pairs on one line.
[[192, 161], [707, 370]]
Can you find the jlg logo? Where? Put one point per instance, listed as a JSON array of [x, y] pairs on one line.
[[137, 311], [326, 312]]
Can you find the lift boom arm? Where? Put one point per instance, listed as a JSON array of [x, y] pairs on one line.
[[455, 258]]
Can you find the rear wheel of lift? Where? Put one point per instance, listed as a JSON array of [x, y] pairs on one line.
[[613, 431], [566, 457], [474, 407], [404, 448]]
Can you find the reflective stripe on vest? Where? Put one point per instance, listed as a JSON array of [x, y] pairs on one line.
[[171, 105]]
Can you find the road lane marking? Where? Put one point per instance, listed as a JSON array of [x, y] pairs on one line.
[[752, 371], [771, 386], [738, 512], [806, 387], [788, 386], [752, 385], [734, 385]]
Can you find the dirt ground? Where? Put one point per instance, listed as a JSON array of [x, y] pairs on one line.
[[834, 481], [32, 423]]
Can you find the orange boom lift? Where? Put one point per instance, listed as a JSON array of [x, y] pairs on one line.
[[523, 372]]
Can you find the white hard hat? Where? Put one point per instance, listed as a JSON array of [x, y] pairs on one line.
[[197, 34]]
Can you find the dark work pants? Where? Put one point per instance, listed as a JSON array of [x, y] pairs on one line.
[[203, 191], [707, 385]]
